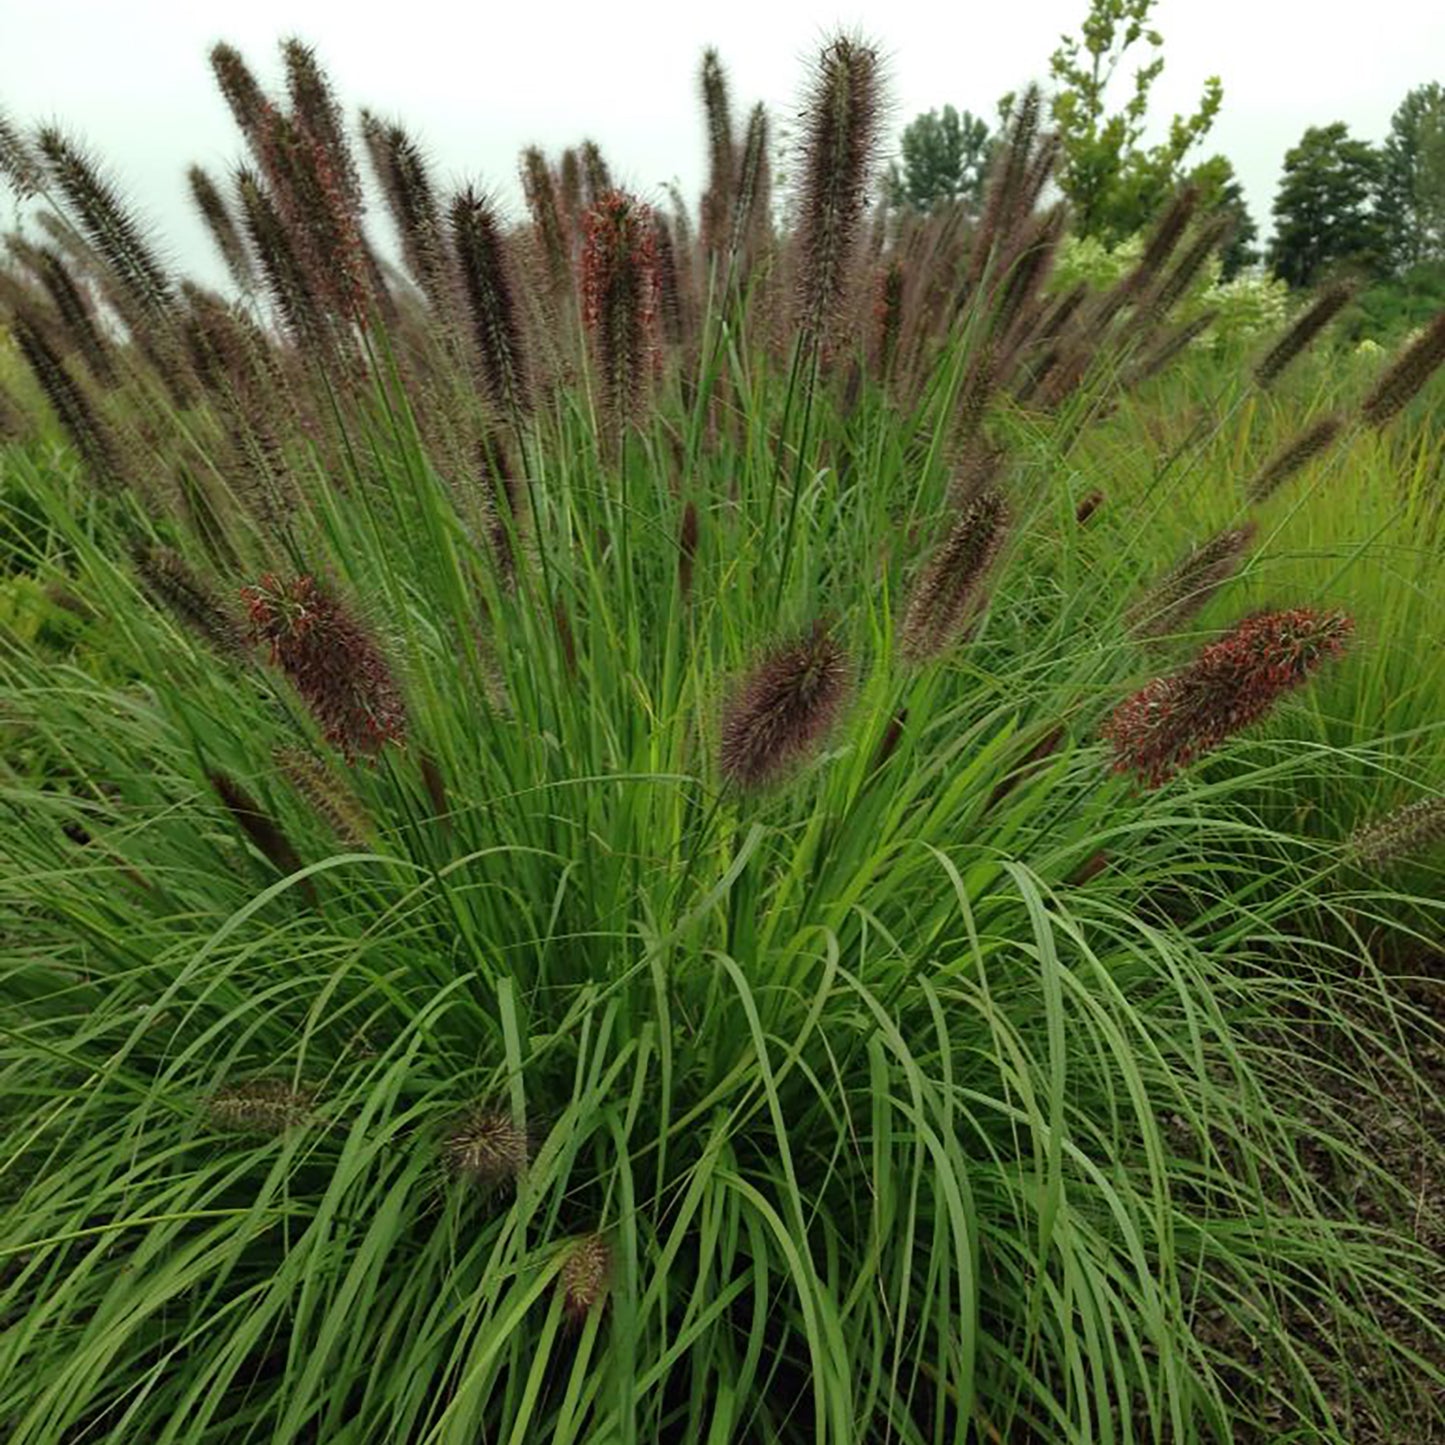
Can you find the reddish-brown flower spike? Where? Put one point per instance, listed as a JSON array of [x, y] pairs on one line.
[[1295, 454], [948, 589], [620, 298], [784, 709], [1088, 505], [331, 659], [1183, 592], [1231, 685], [1406, 375], [841, 130]]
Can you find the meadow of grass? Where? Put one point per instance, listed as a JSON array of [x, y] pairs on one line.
[[567, 873]]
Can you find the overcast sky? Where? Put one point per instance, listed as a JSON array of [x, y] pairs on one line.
[[479, 81]]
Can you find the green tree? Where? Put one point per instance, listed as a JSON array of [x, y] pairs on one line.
[[1324, 214], [1412, 183], [945, 154], [1219, 190], [1116, 183]]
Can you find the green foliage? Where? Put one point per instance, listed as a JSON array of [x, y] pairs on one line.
[[1412, 180], [1399, 304], [1117, 184], [1324, 212], [1221, 192], [945, 155]]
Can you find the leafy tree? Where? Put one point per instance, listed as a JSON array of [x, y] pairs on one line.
[[1412, 183], [1220, 191], [945, 154], [1324, 215], [1115, 183]]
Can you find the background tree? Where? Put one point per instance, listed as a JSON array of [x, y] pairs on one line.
[[1220, 190], [1324, 214], [945, 154], [1412, 181], [1115, 183]]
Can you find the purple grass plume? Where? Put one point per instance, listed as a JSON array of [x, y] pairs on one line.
[[1182, 593], [784, 709], [331, 659], [485, 271], [840, 138], [1406, 375], [1306, 327], [949, 590], [1315, 440]]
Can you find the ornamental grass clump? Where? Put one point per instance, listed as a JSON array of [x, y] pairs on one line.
[[478, 961]]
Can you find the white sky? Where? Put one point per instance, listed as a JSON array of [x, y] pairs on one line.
[[476, 80]]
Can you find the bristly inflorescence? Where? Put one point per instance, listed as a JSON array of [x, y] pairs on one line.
[[486, 1148], [1406, 375], [1406, 832], [785, 708], [1232, 684], [586, 1274], [261, 828], [267, 1106], [950, 587], [1313, 441], [1308, 325], [193, 600], [332, 660], [1181, 594], [620, 299], [841, 129], [484, 269]]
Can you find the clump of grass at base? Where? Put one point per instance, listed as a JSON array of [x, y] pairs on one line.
[[641, 940]]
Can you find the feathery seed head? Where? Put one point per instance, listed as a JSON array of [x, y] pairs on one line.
[[483, 265], [222, 226], [948, 590], [1310, 443], [332, 661], [840, 125], [327, 795], [261, 828], [1182, 593], [196, 603], [1406, 375], [784, 709], [717, 201], [238, 86], [485, 1148], [1401, 834], [259, 1106], [1306, 327], [620, 298], [585, 1276], [1232, 684]]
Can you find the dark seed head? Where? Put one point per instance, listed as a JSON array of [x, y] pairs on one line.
[[784, 709]]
